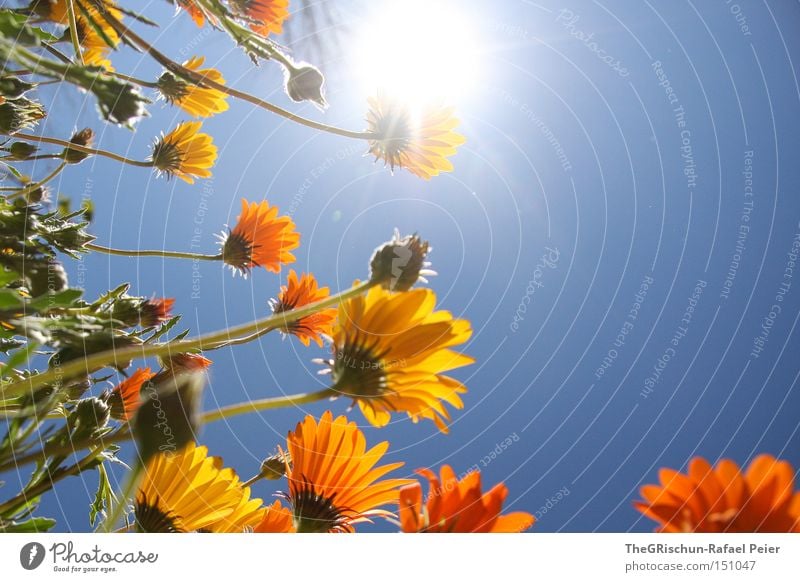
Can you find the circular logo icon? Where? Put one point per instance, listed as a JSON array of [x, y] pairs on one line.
[[31, 555]]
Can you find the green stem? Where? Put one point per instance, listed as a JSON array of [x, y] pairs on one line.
[[45, 485], [31, 187], [79, 148], [153, 253], [266, 404], [122, 500], [73, 32], [203, 81], [135, 80], [98, 360]]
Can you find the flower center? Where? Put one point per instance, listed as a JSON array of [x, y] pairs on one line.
[[316, 513], [151, 519], [167, 157], [237, 252], [359, 370]]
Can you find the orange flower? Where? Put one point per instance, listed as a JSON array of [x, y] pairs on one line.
[[260, 239], [276, 519], [458, 506], [297, 293], [155, 311], [723, 499], [333, 481], [267, 15], [192, 10], [125, 398]]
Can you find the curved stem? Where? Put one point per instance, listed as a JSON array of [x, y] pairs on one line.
[[31, 187], [203, 81], [122, 499], [266, 404], [98, 360], [135, 80], [79, 148], [153, 253]]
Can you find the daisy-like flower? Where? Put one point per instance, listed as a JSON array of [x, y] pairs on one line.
[[276, 519], [333, 481], [458, 506], [125, 399], [260, 238], [186, 363], [389, 353], [185, 153], [155, 311], [96, 46], [193, 11], [723, 499], [266, 16], [185, 491], [419, 141], [297, 293], [195, 100], [247, 514]]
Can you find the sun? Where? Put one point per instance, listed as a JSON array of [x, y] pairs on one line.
[[417, 51]]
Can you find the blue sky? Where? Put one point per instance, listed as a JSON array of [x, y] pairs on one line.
[[610, 144]]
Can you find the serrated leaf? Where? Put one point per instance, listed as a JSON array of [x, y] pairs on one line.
[[104, 498], [17, 359], [61, 299], [33, 525], [14, 26]]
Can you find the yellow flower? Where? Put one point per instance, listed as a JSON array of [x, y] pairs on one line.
[[297, 293], [724, 499], [185, 491], [458, 506], [247, 514], [333, 481], [260, 238], [96, 46], [195, 100], [419, 141], [390, 350], [267, 16], [185, 153]]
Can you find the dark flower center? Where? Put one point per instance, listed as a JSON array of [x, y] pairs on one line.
[[315, 513], [151, 519]]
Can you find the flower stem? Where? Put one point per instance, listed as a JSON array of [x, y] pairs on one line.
[[33, 186], [122, 500], [153, 253], [79, 148], [73, 32], [203, 81], [98, 360], [135, 80], [266, 404]]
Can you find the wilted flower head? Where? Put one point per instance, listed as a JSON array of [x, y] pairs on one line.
[[398, 264], [85, 138], [260, 238], [118, 101], [194, 99], [124, 400], [306, 83], [185, 153], [418, 141], [19, 114]]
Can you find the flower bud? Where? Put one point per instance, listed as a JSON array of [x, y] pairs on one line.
[[274, 466], [85, 138], [399, 263], [306, 83], [21, 150], [14, 88], [88, 417]]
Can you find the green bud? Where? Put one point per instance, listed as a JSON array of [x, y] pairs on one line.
[[21, 150], [88, 417], [14, 88], [398, 264], [84, 138], [306, 83]]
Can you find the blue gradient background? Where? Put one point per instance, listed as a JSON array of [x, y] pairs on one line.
[[620, 211]]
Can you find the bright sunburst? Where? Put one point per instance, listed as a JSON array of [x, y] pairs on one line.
[[417, 50]]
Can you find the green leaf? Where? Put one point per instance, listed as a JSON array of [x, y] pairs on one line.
[[17, 359], [8, 275], [104, 498], [15, 27], [62, 299], [33, 525], [10, 299]]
